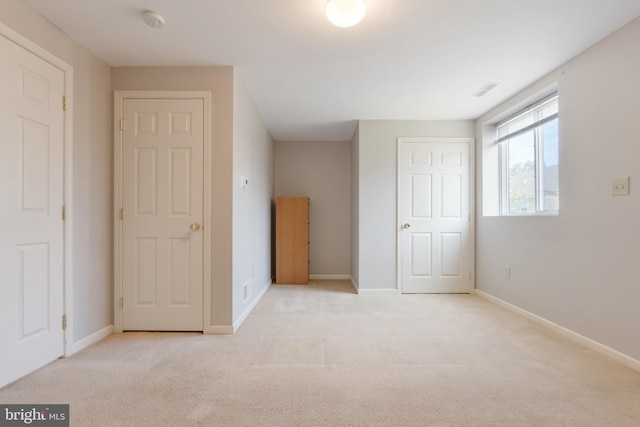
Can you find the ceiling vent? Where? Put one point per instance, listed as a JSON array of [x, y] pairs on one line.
[[485, 89]]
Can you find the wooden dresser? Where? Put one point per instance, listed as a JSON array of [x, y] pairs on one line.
[[292, 240]]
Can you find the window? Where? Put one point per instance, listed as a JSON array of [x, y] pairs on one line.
[[529, 159]]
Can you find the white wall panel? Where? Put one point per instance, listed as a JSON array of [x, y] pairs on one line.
[[578, 269], [377, 192]]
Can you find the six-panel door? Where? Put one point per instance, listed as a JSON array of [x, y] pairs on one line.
[[434, 217], [163, 143], [31, 199]]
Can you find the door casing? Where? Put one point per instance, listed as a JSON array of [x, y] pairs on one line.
[[471, 143], [119, 97]]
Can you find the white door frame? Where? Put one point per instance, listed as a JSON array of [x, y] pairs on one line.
[[472, 207], [67, 251], [118, 106]]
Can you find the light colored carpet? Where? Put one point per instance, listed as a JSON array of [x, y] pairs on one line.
[[320, 355]]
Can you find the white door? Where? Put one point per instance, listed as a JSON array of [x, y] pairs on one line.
[[31, 200], [433, 188], [162, 239]]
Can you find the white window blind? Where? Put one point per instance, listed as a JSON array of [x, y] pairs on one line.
[[531, 117]]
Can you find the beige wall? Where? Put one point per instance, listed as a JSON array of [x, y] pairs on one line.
[[355, 206], [91, 210], [218, 80], [252, 158], [321, 171], [578, 269], [377, 193]]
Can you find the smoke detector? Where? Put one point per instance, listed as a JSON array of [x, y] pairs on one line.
[[153, 19]]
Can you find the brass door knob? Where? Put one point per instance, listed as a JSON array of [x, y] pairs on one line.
[[406, 225], [194, 227]]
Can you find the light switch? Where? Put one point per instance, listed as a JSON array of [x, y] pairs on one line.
[[620, 186], [244, 181]]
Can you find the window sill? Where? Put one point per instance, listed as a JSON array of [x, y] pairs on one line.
[[525, 214]]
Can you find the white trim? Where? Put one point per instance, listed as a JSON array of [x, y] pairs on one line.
[[568, 333], [329, 277], [251, 306], [118, 102], [472, 214], [87, 341], [378, 291], [354, 284], [472, 191], [68, 202], [117, 204], [208, 230], [67, 69]]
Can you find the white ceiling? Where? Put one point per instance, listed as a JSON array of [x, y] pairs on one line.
[[408, 59]]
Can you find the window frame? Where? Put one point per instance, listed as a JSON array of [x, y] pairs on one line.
[[503, 158]]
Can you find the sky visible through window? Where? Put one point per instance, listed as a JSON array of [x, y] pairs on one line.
[[524, 174], [550, 134]]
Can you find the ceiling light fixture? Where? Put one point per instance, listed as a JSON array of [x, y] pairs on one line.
[[153, 19], [345, 13]]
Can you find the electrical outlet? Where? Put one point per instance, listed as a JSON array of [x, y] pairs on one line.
[[507, 272], [620, 186]]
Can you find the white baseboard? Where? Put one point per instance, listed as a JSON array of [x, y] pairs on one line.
[[329, 277], [85, 342], [354, 284], [377, 291], [568, 333], [251, 306]]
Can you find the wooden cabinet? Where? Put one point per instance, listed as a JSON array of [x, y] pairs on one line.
[[292, 240]]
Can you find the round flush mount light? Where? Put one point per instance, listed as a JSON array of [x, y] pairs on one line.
[[153, 19], [345, 13]]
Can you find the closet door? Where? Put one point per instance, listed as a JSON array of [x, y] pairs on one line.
[[31, 211], [292, 240]]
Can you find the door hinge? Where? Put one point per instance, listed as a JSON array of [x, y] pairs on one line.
[[64, 213], [121, 124], [64, 321], [121, 303], [121, 214], [64, 103]]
